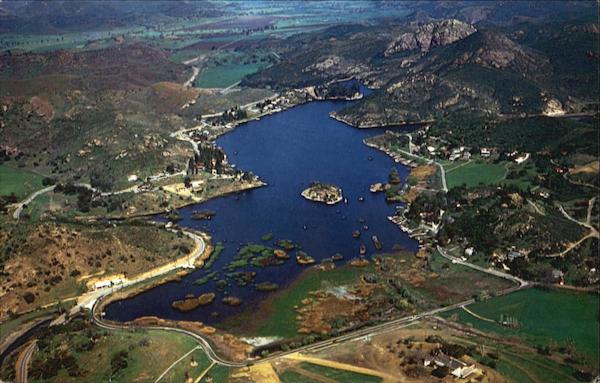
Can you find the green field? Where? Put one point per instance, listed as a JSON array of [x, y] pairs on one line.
[[225, 75], [546, 317], [474, 173], [147, 355], [184, 367], [218, 374], [290, 376], [341, 376], [17, 181]]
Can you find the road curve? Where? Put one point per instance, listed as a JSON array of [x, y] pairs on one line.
[[522, 283], [90, 299], [27, 201], [23, 362], [383, 327]]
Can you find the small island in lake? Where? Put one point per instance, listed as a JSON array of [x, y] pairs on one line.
[[190, 302], [318, 192]]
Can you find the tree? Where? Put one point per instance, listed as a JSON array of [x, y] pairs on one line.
[[119, 361]]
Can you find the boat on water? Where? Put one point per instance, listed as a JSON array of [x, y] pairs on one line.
[[337, 257], [376, 242], [366, 227], [356, 234], [363, 250], [346, 201]]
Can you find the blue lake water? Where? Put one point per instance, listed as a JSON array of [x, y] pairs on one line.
[[288, 150]]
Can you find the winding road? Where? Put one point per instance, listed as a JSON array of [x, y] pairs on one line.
[[23, 362], [354, 335], [21, 205], [90, 299]]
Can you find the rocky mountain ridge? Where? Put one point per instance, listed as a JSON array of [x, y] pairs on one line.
[[431, 35]]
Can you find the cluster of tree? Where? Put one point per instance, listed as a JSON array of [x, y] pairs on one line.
[[534, 134], [340, 90], [118, 361], [6, 200], [209, 158], [230, 115], [249, 31]]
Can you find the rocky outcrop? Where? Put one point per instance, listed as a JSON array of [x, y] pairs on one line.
[[431, 35], [191, 303], [232, 301], [495, 50], [337, 66]]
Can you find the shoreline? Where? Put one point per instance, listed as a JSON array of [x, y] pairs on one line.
[[161, 275], [374, 125], [112, 297], [181, 205]]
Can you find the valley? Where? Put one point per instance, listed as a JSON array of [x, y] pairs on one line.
[[267, 191]]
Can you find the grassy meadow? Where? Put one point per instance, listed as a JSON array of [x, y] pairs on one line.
[[18, 181], [545, 317]]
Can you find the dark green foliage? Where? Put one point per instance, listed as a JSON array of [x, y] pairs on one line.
[[118, 361]]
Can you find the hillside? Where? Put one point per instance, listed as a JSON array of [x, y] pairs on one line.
[[425, 69]]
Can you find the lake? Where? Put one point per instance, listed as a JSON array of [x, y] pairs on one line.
[[287, 150]]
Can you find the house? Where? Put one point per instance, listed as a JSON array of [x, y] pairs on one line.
[[469, 251], [458, 369], [456, 154], [465, 372], [485, 152], [132, 178], [512, 255], [466, 156], [102, 284], [431, 150]]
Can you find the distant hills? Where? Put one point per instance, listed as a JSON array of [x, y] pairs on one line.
[[60, 16], [426, 69]]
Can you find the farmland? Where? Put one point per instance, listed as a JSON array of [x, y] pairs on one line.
[[475, 173], [19, 182], [568, 318]]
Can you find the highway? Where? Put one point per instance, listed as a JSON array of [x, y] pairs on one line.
[[354, 335]]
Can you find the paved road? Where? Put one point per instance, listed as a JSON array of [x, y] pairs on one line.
[[383, 327], [190, 81], [21, 205], [23, 362], [90, 299], [443, 171], [522, 283]]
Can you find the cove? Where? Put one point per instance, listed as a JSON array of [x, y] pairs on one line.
[[287, 150]]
